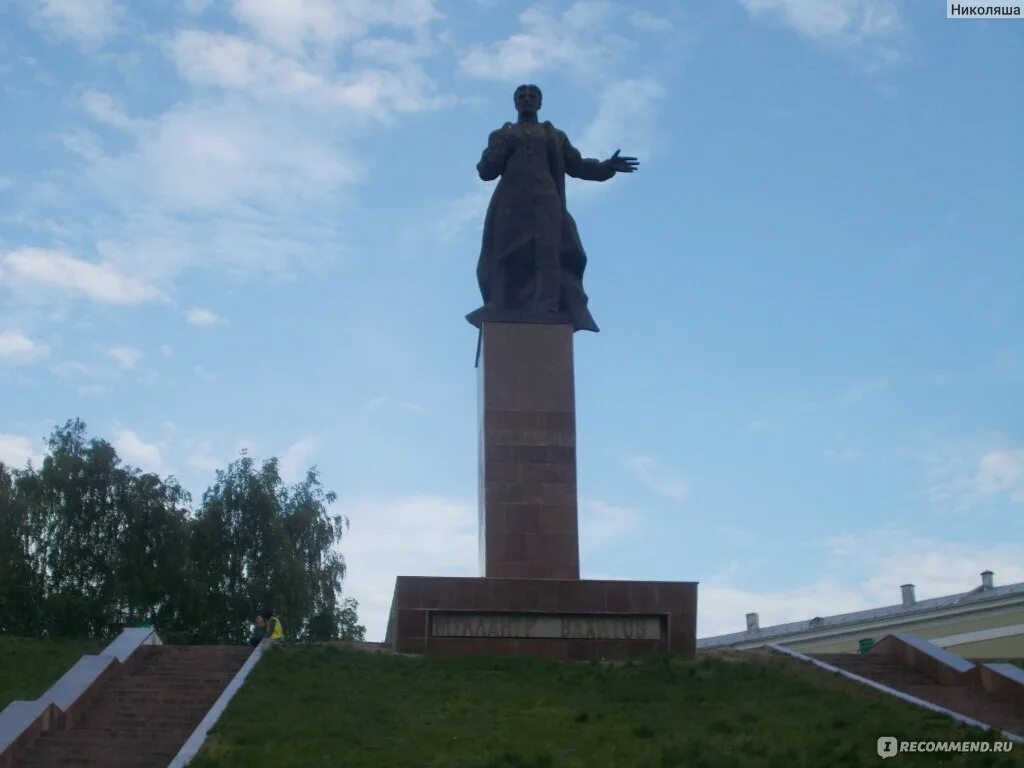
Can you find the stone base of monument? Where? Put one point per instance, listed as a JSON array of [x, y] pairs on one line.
[[530, 600], [549, 618]]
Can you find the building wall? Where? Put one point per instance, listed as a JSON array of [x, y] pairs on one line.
[[996, 648], [848, 641]]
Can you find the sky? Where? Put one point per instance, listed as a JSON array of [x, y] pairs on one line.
[[253, 225]]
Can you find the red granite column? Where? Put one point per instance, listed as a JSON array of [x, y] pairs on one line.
[[527, 401]]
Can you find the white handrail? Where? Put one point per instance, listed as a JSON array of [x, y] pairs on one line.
[[893, 692], [194, 742]]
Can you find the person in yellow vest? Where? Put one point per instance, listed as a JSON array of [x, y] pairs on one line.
[[274, 629]]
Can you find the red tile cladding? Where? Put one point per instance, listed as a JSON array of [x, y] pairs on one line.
[[677, 601], [528, 454]]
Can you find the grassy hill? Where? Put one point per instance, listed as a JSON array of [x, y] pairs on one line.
[[321, 706], [29, 666]]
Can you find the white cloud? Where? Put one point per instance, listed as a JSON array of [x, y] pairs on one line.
[[15, 450], [126, 357], [251, 180], [135, 451], [891, 558], [588, 14], [602, 525], [231, 62], [886, 559], [166, 350], [107, 109], [721, 610], [196, 7], [657, 478], [974, 475], [648, 21], [90, 22], [417, 536], [626, 119], [203, 459], [464, 213], [841, 23], [29, 268], [390, 51], [830, 19], [229, 185], [294, 462], [201, 316], [18, 349], [224, 158], [82, 142], [291, 23], [577, 41], [238, 238], [73, 369], [1001, 471]]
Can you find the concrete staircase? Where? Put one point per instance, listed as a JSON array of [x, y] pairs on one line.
[[144, 713], [973, 701]]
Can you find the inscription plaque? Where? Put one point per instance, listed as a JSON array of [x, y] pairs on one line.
[[547, 625]]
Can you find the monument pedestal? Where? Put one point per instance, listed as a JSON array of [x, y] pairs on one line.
[[527, 497], [551, 618], [530, 599]]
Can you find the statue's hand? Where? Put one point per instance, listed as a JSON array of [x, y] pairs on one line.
[[503, 141], [622, 164]]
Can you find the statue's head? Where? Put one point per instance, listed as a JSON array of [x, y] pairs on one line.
[[527, 98]]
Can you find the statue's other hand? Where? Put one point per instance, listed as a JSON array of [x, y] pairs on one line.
[[622, 164]]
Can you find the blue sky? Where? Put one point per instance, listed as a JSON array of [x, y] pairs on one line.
[[232, 224]]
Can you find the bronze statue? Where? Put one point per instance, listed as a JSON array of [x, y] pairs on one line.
[[531, 260]]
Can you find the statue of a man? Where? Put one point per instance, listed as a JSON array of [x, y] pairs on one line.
[[531, 261]]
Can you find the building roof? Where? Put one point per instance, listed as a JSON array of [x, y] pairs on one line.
[[921, 608]]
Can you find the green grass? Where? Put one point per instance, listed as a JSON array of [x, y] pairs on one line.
[[28, 666], [320, 706]]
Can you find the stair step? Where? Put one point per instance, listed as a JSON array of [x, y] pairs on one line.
[[965, 700], [140, 718]]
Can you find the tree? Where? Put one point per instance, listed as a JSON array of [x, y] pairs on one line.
[[258, 543], [349, 626], [20, 589], [89, 545], [101, 542]]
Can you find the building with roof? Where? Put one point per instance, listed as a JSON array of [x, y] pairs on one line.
[[985, 623]]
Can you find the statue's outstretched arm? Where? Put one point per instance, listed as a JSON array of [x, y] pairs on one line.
[[492, 163], [587, 168], [595, 170]]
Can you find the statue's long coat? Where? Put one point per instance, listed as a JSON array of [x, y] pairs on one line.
[[563, 158]]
